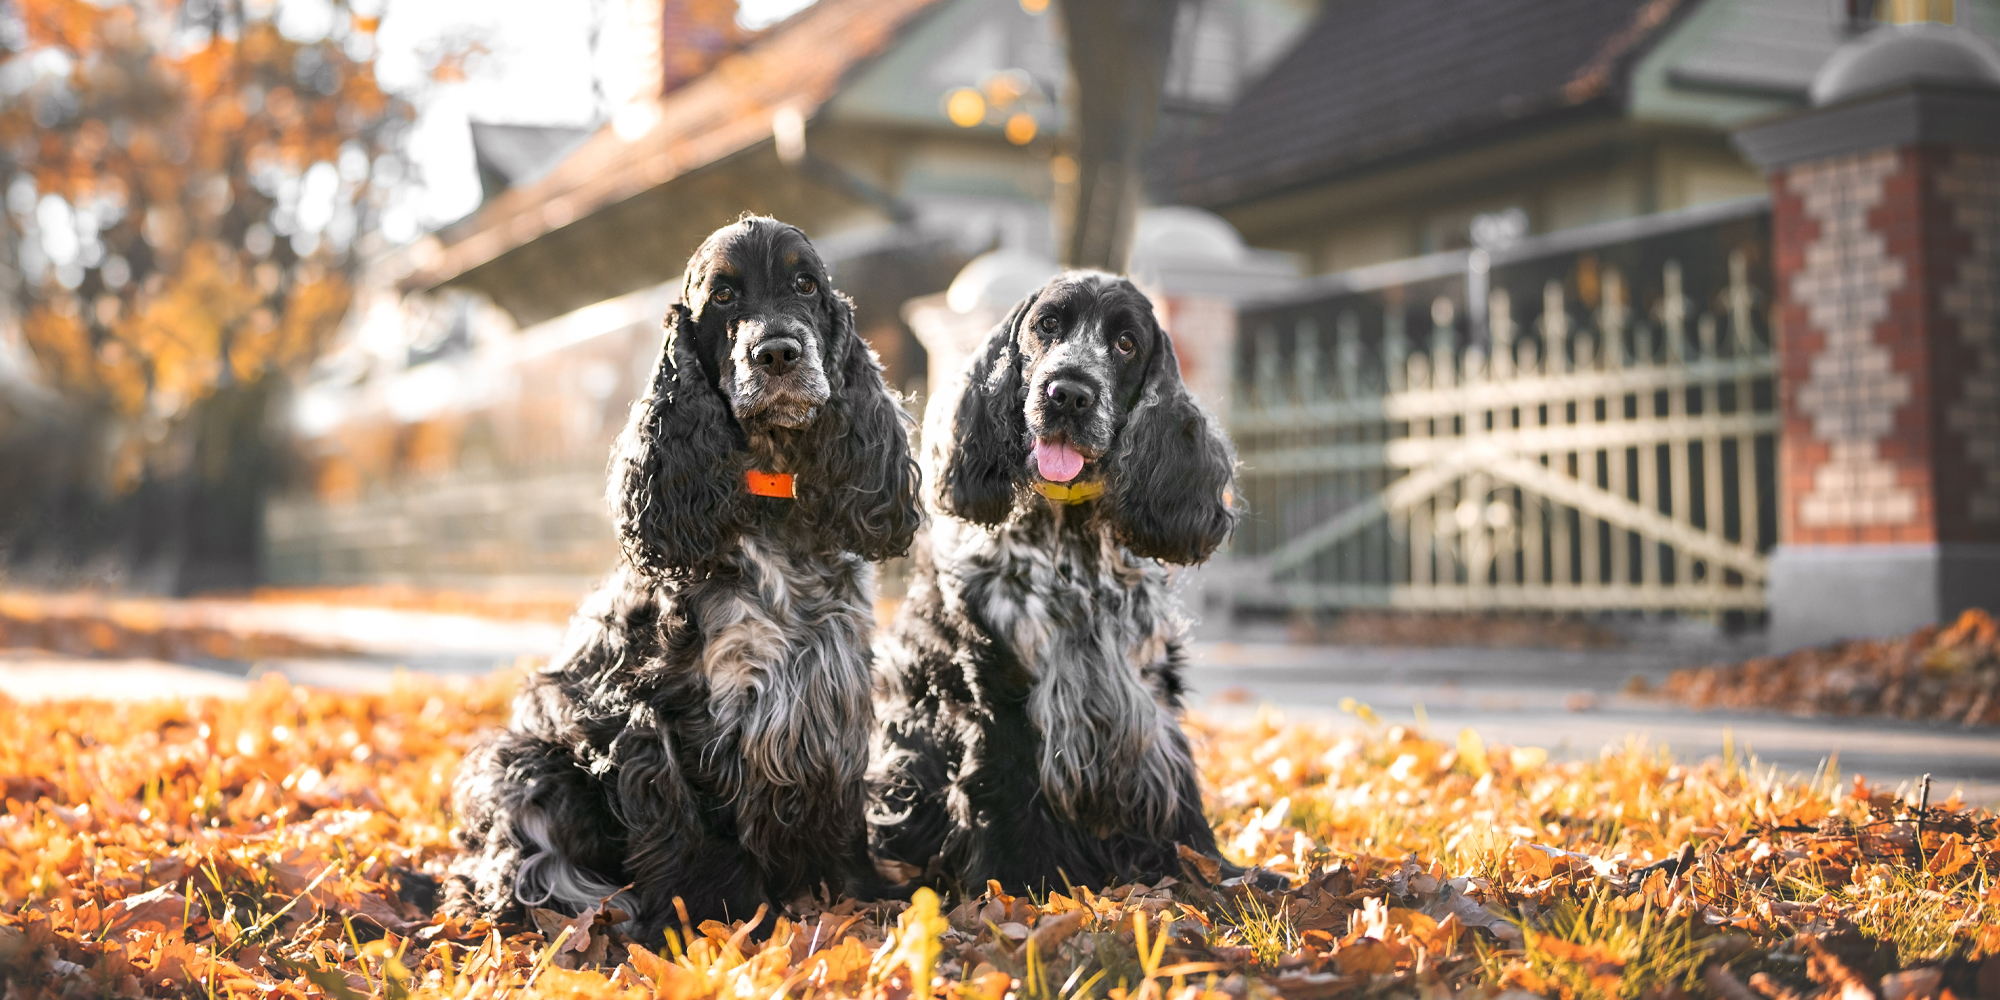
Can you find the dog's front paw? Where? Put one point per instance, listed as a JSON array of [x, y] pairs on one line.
[[897, 880], [1266, 879], [896, 873]]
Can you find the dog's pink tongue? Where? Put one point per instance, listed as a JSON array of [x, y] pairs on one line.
[[1057, 461]]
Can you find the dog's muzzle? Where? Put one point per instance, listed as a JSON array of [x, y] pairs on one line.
[[779, 379], [1071, 425]]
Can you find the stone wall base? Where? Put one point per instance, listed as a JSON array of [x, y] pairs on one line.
[[1824, 593]]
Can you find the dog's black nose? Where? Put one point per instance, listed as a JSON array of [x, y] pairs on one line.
[[1067, 395], [775, 355]]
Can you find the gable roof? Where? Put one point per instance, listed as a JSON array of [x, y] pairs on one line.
[[800, 62], [1372, 79]]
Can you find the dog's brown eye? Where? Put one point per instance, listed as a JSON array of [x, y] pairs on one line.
[[1126, 345], [805, 284], [1047, 324], [722, 295]]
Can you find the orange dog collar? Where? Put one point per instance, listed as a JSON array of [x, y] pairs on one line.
[[770, 484]]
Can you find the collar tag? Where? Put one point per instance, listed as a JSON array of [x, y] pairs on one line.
[[1072, 493], [770, 484]]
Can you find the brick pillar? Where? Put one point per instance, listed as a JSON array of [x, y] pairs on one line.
[[1886, 219]]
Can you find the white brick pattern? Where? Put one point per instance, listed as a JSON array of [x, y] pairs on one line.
[[1972, 184], [1852, 391]]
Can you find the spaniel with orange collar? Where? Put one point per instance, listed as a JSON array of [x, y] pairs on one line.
[[703, 734]]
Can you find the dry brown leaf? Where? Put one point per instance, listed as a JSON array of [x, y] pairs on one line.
[[159, 909], [1365, 957], [1054, 930]]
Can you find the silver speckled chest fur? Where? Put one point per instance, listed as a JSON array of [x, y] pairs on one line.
[[787, 663], [1093, 625]]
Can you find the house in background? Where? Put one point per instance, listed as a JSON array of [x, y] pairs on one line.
[[1533, 366], [1392, 126], [459, 438], [1538, 366]]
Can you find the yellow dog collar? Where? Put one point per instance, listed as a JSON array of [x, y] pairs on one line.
[[1073, 493]]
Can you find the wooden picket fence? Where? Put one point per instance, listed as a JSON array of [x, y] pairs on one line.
[[1597, 432]]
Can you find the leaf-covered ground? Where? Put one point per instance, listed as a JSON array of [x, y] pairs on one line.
[[92, 624], [287, 845], [1945, 674]]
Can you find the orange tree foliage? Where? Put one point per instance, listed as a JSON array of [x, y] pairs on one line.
[[289, 843], [185, 189]]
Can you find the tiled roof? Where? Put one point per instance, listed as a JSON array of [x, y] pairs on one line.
[[800, 63], [1372, 79]]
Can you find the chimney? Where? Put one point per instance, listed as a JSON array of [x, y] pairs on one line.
[[648, 47], [696, 34]]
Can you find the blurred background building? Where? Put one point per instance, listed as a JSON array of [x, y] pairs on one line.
[[1560, 356], [1496, 299], [909, 139]]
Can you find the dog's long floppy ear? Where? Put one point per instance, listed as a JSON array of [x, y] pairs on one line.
[[859, 481], [677, 490], [1174, 476], [978, 460]]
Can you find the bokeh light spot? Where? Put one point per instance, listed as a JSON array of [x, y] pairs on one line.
[[965, 107], [1021, 128], [1063, 169]]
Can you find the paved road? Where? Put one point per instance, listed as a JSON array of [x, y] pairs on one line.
[[1569, 702]]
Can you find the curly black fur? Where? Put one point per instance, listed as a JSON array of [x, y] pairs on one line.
[[1029, 693], [703, 733]]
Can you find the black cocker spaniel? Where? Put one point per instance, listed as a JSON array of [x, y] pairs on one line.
[[1029, 694], [704, 732]]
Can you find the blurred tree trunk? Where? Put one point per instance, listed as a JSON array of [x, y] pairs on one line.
[[197, 519], [1118, 63], [192, 521]]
